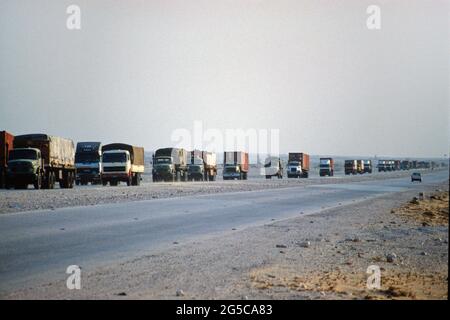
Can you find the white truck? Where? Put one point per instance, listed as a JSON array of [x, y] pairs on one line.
[[122, 162]]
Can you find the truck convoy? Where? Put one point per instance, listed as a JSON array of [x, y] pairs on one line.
[[235, 165], [350, 167], [170, 164], [41, 160], [122, 162], [202, 166], [88, 161], [273, 167], [298, 165], [6, 144], [326, 167]]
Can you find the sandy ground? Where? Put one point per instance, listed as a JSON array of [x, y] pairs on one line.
[[319, 256], [26, 200]]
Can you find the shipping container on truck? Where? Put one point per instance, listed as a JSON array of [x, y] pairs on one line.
[[88, 161], [350, 167], [170, 164], [326, 167], [41, 160], [6, 144], [298, 165], [202, 165], [235, 165], [122, 162]]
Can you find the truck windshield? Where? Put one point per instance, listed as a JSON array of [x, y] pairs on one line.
[[230, 169], [163, 161], [86, 157], [294, 163], [114, 157], [22, 154]]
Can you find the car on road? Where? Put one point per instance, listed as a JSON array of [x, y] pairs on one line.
[[416, 176]]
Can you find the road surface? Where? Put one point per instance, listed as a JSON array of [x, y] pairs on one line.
[[37, 246]]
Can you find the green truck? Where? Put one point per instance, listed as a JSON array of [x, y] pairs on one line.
[[170, 164], [41, 160]]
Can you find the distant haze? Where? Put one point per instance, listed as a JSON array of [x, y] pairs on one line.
[[137, 70]]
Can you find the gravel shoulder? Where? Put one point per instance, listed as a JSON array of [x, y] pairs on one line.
[[319, 256], [28, 200]]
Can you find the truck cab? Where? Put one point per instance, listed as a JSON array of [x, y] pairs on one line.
[[116, 167], [231, 171], [326, 167], [294, 169], [88, 162], [196, 169], [163, 168], [273, 168], [25, 167]]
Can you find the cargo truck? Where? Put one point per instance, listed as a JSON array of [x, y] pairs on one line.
[[406, 165], [202, 165], [6, 144], [88, 161], [273, 167], [360, 166], [298, 165], [350, 167], [367, 166], [41, 160], [170, 164], [382, 165], [235, 165], [122, 163], [326, 167]]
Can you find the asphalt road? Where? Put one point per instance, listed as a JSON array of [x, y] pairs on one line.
[[38, 246]]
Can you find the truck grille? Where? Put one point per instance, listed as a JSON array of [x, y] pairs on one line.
[[114, 169]]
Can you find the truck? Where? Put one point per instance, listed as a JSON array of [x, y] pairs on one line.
[[41, 160], [405, 165], [367, 166], [6, 144], [170, 164], [326, 167], [273, 167], [350, 167], [360, 166], [397, 165], [202, 166], [122, 162], [383, 165], [235, 165], [88, 161], [298, 165]]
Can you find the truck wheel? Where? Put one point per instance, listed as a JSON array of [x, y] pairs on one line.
[[38, 183], [138, 179], [104, 183]]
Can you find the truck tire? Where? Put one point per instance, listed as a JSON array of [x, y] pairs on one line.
[[104, 182], [38, 183], [138, 179]]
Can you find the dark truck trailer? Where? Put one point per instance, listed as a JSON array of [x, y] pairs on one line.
[[351, 167], [202, 165], [122, 162], [88, 161], [170, 164], [298, 165], [235, 165], [41, 160], [326, 167], [6, 144], [405, 165]]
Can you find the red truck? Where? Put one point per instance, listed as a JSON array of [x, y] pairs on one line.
[[298, 165], [6, 144]]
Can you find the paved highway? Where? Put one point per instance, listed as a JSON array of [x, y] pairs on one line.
[[38, 246]]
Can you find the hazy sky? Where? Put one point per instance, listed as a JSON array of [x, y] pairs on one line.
[[137, 70]]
